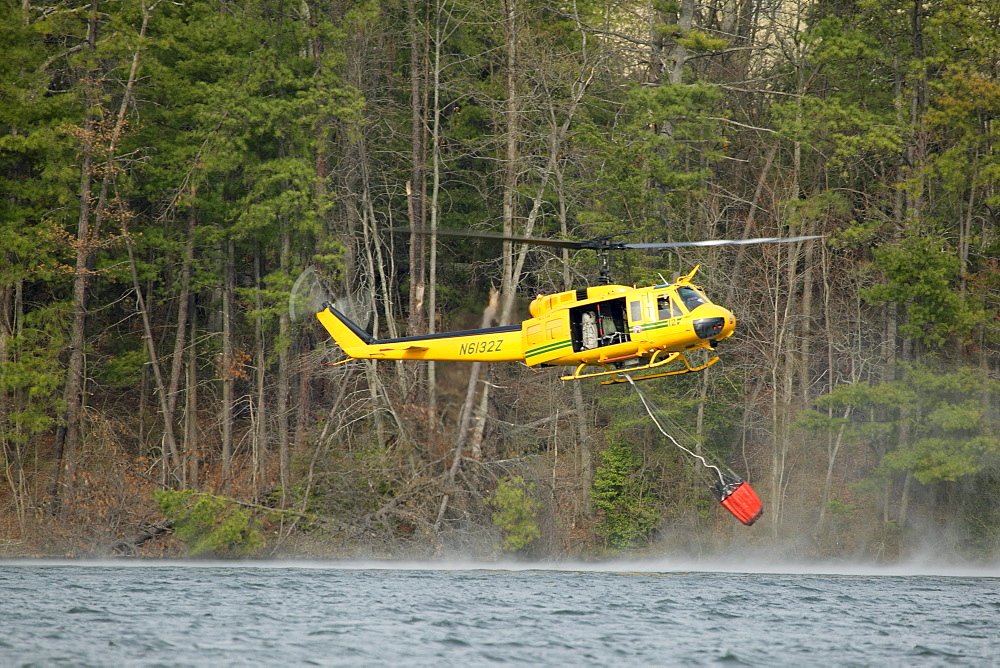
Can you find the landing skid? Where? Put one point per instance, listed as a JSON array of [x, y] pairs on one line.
[[617, 375]]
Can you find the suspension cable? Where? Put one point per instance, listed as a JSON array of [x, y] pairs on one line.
[[649, 410]]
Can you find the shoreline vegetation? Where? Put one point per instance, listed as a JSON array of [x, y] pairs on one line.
[[168, 170]]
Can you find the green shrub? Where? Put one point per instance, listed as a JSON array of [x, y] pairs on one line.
[[515, 513], [210, 524], [622, 491]]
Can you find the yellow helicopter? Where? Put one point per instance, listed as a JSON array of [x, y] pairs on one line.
[[602, 331]]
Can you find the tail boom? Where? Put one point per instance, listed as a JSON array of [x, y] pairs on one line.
[[492, 344]]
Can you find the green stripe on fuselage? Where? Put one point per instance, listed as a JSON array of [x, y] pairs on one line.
[[551, 347], [660, 324]]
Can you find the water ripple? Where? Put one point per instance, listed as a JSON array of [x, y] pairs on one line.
[[235, 615]]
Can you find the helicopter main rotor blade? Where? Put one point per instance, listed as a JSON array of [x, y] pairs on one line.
[[562, 243], [723, 242], [600, 243]]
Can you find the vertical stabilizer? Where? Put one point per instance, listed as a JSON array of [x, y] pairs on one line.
[[347, 334]]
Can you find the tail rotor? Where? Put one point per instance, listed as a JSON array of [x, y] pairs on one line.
[[311, 291]]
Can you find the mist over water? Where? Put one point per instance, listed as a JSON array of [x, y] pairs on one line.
[[466, 613]]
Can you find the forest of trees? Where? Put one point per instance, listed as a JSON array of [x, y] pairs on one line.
[[167, 170]]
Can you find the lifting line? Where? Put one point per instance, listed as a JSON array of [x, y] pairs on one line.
[[734, 494], [646, 405]]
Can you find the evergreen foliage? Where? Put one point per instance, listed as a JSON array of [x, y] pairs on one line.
[[622, 492], [210, 524], [948, 419], [515, 513], [256, 139], [922, 277]]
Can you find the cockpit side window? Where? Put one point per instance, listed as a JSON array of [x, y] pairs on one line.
[[690, 297], [667, 307]]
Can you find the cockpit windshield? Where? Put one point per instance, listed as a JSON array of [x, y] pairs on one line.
[[691, 298]]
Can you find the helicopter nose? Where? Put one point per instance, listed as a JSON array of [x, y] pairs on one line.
[[713, 322], [709, 328]]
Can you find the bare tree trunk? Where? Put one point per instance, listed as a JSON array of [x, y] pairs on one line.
[[831, 380], [832, 449], [904, 500], [900, 199], [891, 314], [284, 373], [584, 453], [741, 251], [782, 369], [805, 346], [512, 117], [68, 434], [699, 422], [6, 339], [171, 457], [377, 265], [376, 271], [177, 359], [479, 426], [416, 188], [191, 447], [795, 192], [228, 372], [11, 453], [467, 411], [679, 53], [964, 237], [916, 148], [656, 43], [556, 137], [260, 364], [303, 415], [435, 188]]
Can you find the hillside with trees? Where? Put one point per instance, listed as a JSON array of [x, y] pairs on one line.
[[168, 169]]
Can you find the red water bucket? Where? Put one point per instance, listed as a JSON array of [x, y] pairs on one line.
[[743, 503]]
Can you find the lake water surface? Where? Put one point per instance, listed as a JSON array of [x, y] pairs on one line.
[[180, 613]]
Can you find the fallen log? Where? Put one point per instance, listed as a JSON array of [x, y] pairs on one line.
[[128, 546]]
